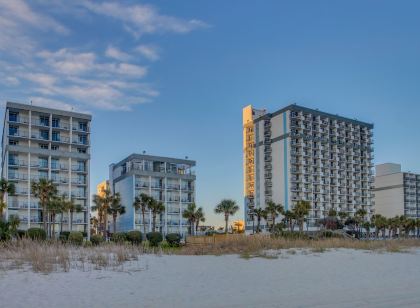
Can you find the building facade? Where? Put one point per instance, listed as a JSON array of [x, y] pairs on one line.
[[396, 192], [169, 180], [298, 153], [43, 143]]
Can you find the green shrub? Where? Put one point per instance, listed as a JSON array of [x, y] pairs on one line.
[[37, 234], [154, 238], [21, 234], [76, 238], [4, 231], [134, 237], [173, 239], [119, 237], [96, 239], [64, 236]]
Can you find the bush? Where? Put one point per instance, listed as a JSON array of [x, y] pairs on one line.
[[64, 236], [173, 239], [21, 233], [76, 238], [134, 237], [294, 235], [37, 234], [154, 238], [96, 239], [119, 237]]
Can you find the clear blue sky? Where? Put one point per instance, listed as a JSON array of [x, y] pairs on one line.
[[171, 77]]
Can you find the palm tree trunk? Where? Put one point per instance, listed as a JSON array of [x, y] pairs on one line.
[[114, 218], [61, 222], [154, 222], [71, 221], [143, 214], [53, 226], [44, 217], [226, 223]]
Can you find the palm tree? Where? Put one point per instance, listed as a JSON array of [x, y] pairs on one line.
[[116, 209], [260, 213], [332, 213], [289, 218], [55, 205], [102, 203], [6, 188], [156, 207], [360, 218], [199, 217], [44, 190], [301, 210], [94, 223], [141, 202], [273, 210], [227, 207], [190, 214], [72, 208], [343, 216]]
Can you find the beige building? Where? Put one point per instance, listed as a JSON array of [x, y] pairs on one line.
[[396, 192]]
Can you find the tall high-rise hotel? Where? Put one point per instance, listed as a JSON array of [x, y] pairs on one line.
[[297, 153], [43, 143]]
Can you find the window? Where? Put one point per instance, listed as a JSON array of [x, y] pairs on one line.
[[83, 139], [55, 136], [55, 122], [81, 150], [81, 165], [43, 146], [13, 142], [44, 134], [13, 116], [55, 163], [43, 162], [83, 126], [55, 147], [44, 120], [13, 130]]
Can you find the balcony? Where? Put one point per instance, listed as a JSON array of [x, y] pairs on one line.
[[18, 163]]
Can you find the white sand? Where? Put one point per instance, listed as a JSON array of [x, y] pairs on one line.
[[343, 278]]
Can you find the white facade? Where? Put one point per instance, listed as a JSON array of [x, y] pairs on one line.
[[43, 143], [169, 180], [396, 192], [305, 154]]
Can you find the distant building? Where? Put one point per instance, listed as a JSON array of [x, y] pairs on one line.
[[396, 192], [238, 226], [44, 143], [297, 153], [101, 187], [169, 180]]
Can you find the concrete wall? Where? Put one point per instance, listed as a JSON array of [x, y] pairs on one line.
[[389, 195]]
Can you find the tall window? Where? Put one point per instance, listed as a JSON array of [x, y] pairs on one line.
[[83, 139], [44, 120], [43, 146], [83, 126], [44, 134], [81, 165], [43, 162], [56, 136], [13, 130], [55, 122], [42, 174], [54, 163], [13, 116]]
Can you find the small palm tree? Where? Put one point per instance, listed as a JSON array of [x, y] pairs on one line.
[[141, 202], [301, 210], [199, 217], [343, 216], [260, 213], [72, 208], [14, 222], [190, 215], [55, 205], [228, 208], [273, 210], [289, 218], [6, 188], [44, 190], [102, 203], [116, 209], [157, 208]]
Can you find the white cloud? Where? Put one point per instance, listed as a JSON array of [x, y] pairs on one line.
[[44, 80], [117, 54], [69, 62], [150, 52], [18, 10], [11, 81], [142, 19]]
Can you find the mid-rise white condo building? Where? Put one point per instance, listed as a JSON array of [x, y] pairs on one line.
[[297, 153], [168, 180], [396, 192], [43, 143]]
